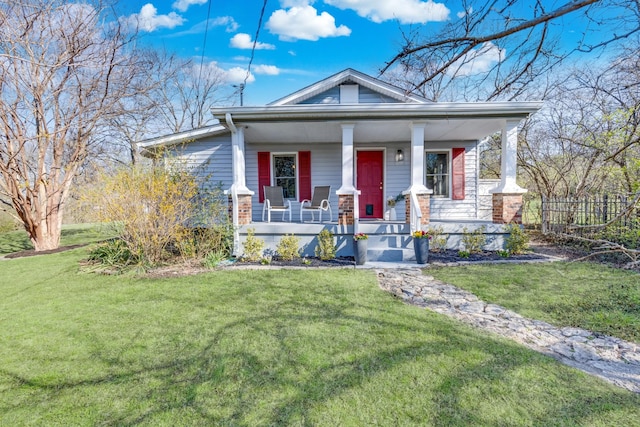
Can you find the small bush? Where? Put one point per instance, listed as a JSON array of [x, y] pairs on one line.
[[438, 241], [7, 223], [518, 240], [326, 248], [253, 246], [288, 247], [474, 241], [113, 253]]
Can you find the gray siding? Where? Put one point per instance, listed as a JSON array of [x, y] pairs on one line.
[[365, 96], [331, 96], [368, 96], [445, 209], [210, 157]]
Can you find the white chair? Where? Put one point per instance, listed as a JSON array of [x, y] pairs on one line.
[[274, 201], [318, 203]]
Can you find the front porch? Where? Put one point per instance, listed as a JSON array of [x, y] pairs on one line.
[[388, 240]]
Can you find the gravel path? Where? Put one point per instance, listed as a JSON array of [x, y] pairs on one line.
[[612, 359]]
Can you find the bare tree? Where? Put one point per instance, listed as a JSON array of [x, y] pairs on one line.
[[65, 69], [179, 97], [587, 138], [496, 49]]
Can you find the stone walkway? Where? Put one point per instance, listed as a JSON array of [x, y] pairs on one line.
[[609, 358]]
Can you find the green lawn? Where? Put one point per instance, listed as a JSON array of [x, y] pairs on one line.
[[586, 295], [252, 348], [18, 240]]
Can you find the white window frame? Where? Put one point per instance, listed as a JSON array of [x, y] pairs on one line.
[[296, 177], [448, 152]]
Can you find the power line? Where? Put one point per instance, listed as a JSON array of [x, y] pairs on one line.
[[204, 42], [255, 42]]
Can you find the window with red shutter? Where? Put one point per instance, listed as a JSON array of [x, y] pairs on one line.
[[286, 173]]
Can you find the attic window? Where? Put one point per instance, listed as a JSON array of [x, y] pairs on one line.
[[349, 94]]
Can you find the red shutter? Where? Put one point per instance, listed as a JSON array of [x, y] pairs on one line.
[[304, 175], [457, 174], [264, 173]]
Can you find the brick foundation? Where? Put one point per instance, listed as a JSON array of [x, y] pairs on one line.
[[507, 208], [345, 209], [244, 209], [424, 200]]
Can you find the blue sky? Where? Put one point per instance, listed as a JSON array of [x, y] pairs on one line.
[[300, 41]]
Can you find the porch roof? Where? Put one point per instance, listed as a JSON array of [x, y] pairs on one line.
[[374, 122]]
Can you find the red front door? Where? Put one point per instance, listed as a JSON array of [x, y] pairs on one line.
[[370, 183]]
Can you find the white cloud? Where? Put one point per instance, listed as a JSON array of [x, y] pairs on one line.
[[295, 3], [406, 11], [183, 5], [304, 23], [237, 75], [270, 70], [477, 61], [227, 21], [148, 19], [243, 41], [234, 75]]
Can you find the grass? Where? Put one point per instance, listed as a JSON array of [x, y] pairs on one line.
[[585, 295], [18, 240], [248, 348]]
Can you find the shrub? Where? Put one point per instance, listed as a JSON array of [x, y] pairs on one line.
[[438, 241], [518, 240], [326, 248], [113, 253], [7, 222], [157, 211], [253, 246], [474, 241], [288, 247]]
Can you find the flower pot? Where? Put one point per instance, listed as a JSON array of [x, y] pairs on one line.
[[421, 249], [390, 214], [360, 251]]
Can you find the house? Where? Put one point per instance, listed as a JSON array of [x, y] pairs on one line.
[[370, 141]]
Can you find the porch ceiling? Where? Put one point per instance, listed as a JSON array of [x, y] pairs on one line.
[[376, 131]]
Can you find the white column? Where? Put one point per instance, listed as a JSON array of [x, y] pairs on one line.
[[239, 185], [509, 160], [347, 160], [417, 160]]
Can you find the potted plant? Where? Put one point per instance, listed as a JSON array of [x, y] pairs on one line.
[[360, 248], [421, 246]]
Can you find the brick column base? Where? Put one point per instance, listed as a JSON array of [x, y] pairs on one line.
[[507, 208], [244, 209], [424, 200], [345, 209]]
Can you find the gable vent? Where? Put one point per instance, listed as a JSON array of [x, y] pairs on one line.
[[349, 94]]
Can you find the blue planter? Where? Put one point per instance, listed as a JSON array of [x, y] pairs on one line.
[[360, 251], [421, 248]]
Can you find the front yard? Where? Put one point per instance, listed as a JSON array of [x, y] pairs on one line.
[[289, 347]]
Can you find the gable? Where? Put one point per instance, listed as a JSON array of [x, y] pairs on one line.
[[350, 86], [365, 95]]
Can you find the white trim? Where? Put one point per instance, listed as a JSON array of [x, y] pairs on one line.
[[180, 137], [297, 166], [348, 75], [509, 160]]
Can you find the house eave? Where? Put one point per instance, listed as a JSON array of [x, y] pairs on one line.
[[347, 112], [148, 146]]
